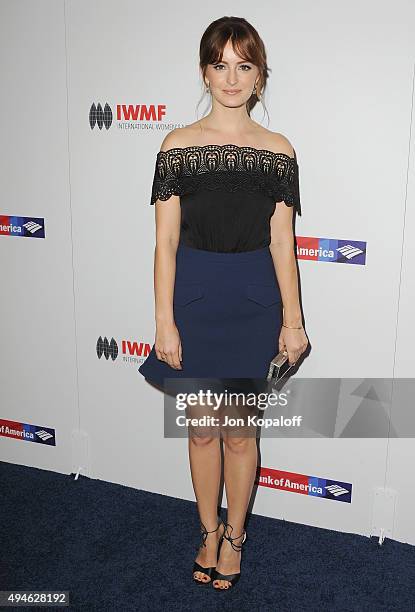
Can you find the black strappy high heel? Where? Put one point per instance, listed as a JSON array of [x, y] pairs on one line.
[[232, 578], [199, 568]]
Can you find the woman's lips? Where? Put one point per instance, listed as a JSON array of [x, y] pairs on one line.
[[230, 92]]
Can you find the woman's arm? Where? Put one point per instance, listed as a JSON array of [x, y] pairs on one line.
[[282, 250], [167, 220]]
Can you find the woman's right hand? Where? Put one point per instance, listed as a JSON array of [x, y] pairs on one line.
[[168, 346]]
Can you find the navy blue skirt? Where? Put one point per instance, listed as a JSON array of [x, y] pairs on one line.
[[228, 310]]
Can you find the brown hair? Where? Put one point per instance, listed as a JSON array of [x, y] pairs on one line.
[[246, 42]]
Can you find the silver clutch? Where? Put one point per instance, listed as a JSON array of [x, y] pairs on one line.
[[278, 367]]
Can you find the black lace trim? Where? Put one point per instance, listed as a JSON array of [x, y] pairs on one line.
[[180, 171]]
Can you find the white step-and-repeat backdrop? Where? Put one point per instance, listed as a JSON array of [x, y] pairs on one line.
[[89, 91]]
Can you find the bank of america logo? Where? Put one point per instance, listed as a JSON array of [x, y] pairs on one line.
[[336, 490], [332, 250], [350, 251], [22, 227], [43, 435], [101, 117], [32, 226], [107, 348]]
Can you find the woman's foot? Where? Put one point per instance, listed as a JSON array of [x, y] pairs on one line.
[[229, 562], [208, 553]]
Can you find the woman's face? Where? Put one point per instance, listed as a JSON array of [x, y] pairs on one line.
[[232, 80]]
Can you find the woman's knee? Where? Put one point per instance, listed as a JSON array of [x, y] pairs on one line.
[[238, 445], [201, 438]]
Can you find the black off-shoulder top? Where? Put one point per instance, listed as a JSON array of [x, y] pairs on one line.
[[227, 193]]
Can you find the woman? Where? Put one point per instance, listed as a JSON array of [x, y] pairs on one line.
[[224, 267]]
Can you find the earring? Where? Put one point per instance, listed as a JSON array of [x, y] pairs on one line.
[[208, 88], [258, 95]]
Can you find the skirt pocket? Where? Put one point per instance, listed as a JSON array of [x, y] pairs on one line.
[[265, 295], [185, 293]]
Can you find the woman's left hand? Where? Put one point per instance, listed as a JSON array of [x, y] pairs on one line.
[[294, 341]]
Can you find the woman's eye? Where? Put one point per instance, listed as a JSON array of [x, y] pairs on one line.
[[245, 67]]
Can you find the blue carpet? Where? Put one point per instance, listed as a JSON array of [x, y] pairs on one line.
[[115, 548]]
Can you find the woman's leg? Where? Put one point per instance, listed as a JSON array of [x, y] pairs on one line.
[[240, 465], [205, 468]]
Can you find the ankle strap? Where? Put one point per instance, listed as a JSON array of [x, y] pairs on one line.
[[205, 532], [236, 547]]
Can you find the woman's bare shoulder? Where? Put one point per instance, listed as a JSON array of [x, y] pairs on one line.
[[180, 137], [277, 142]]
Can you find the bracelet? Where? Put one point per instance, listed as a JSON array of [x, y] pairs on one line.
[[301, 327]]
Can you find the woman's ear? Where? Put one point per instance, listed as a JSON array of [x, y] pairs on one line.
[[203, 79]]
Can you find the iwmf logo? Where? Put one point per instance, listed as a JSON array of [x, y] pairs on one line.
[[132, 351], [102, 117]]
